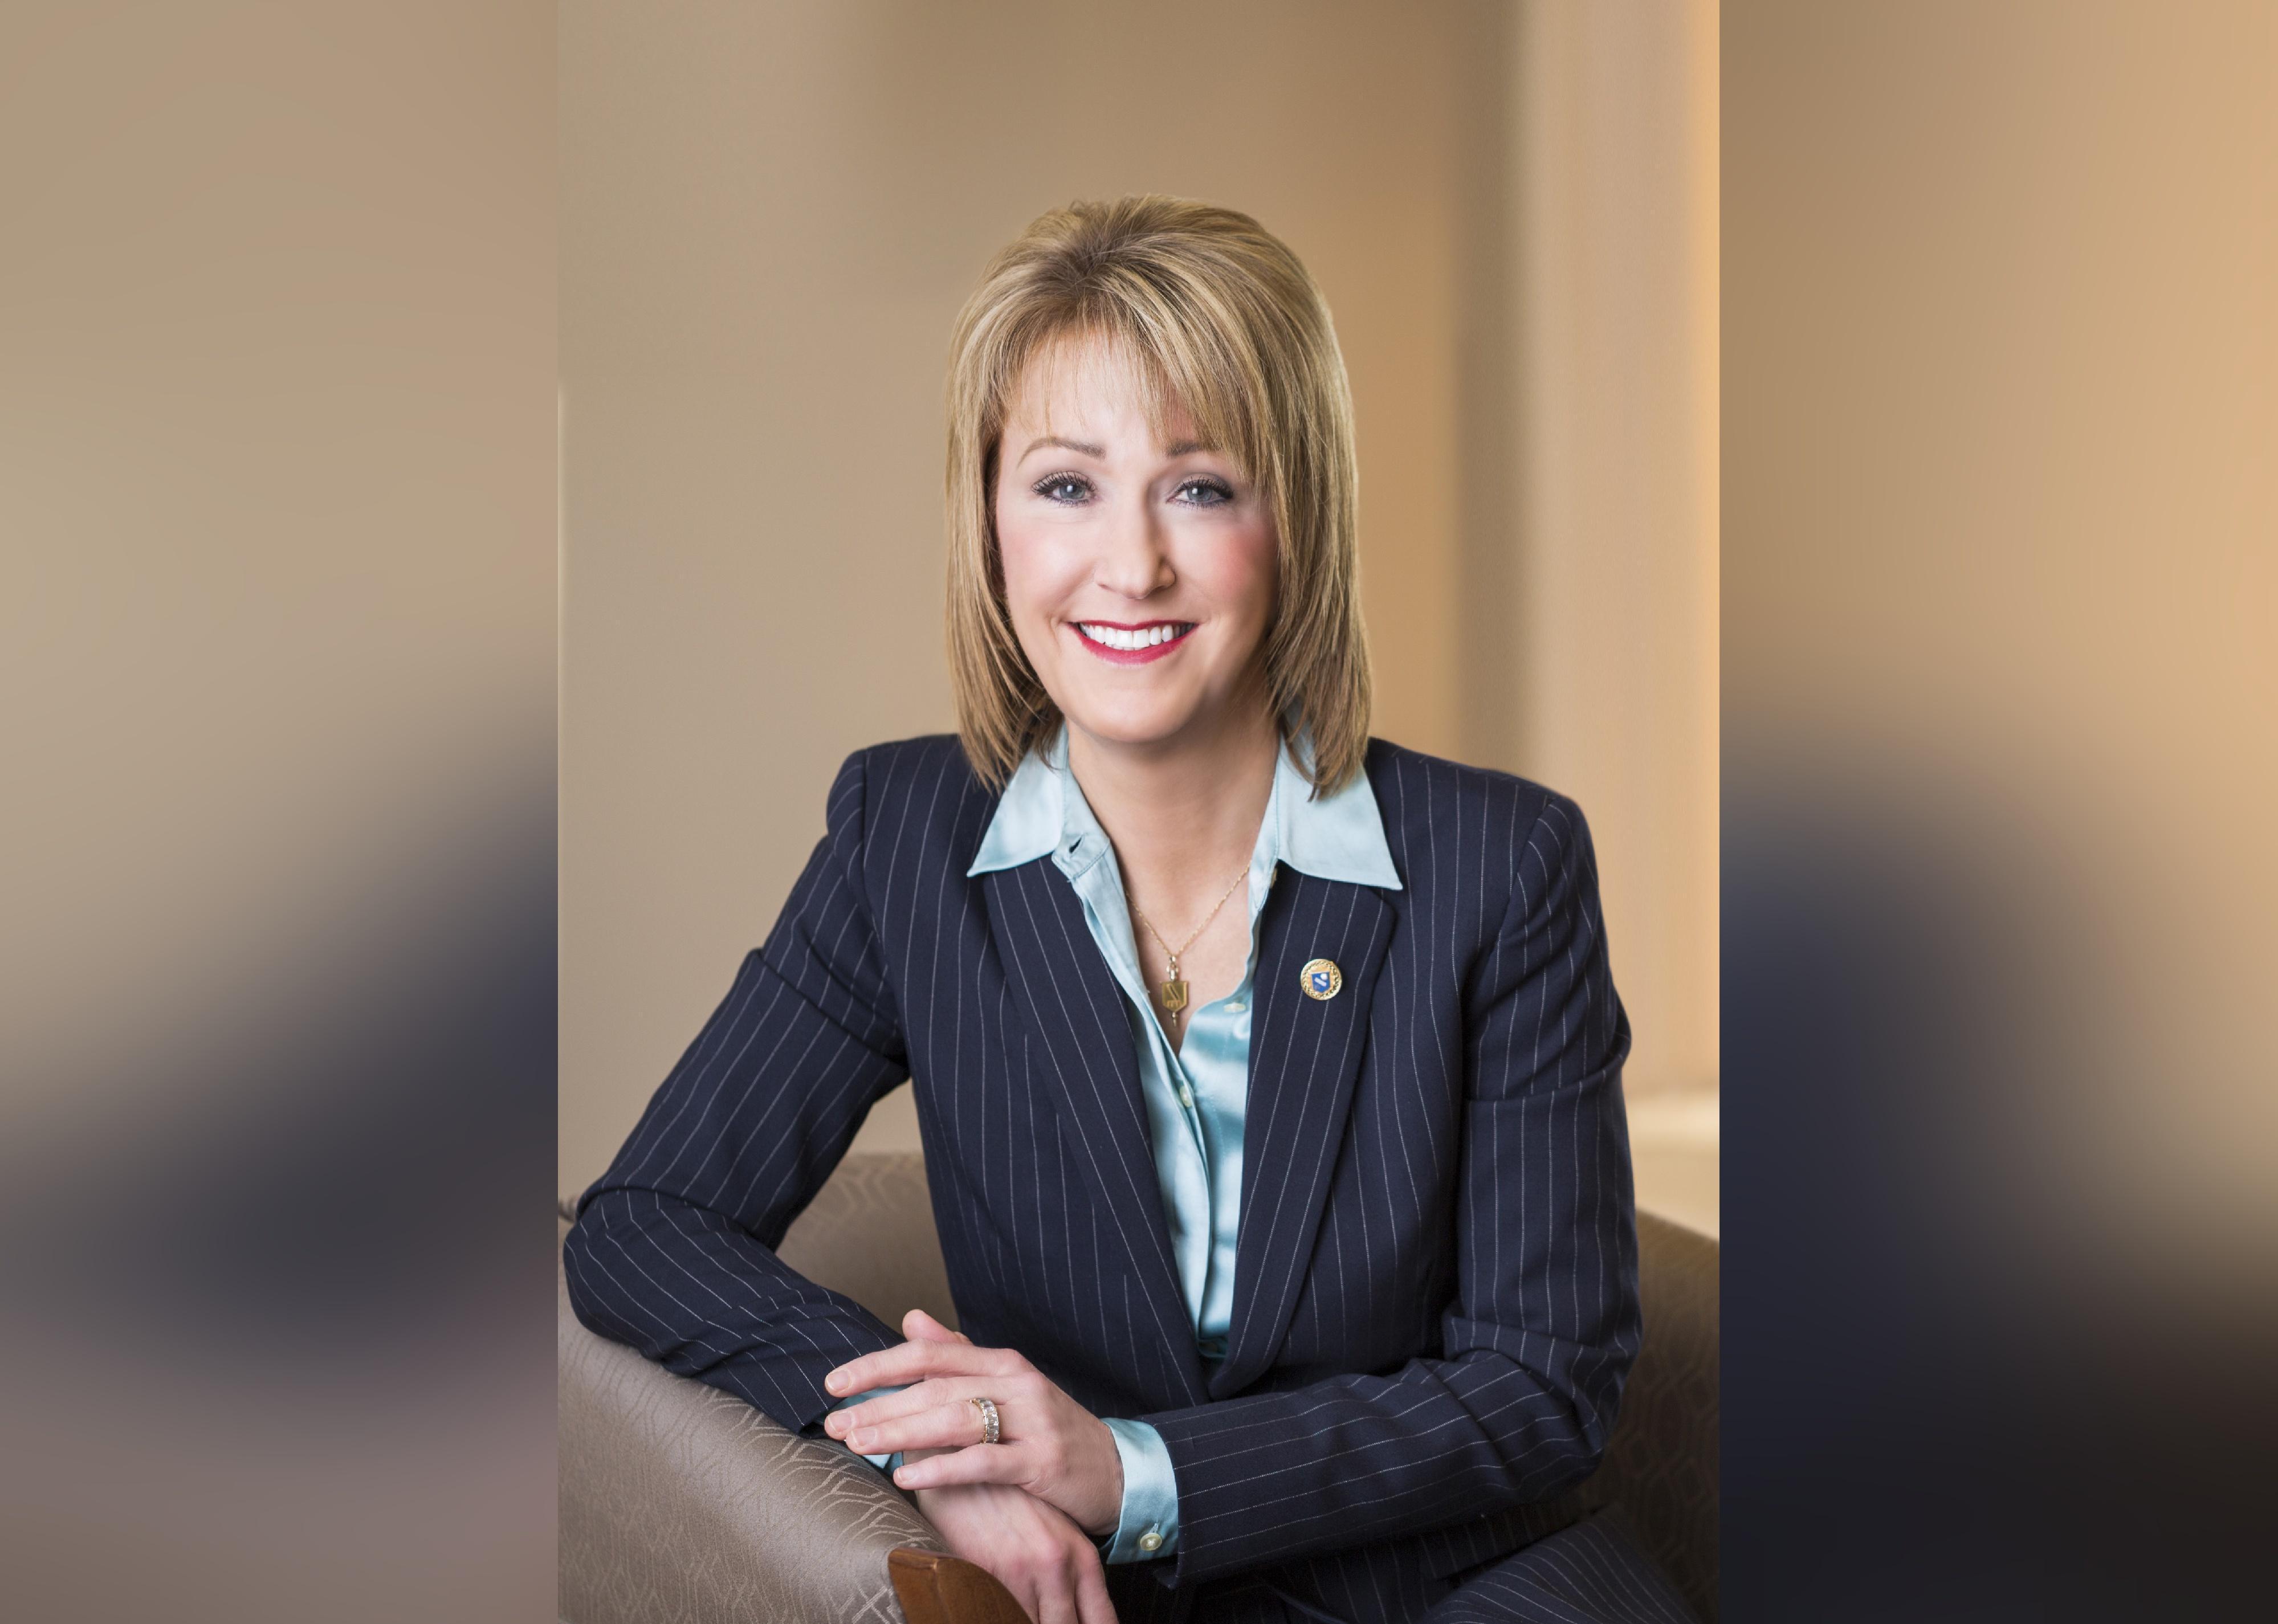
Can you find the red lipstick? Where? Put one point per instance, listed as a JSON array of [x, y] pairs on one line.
[[1143, 654]]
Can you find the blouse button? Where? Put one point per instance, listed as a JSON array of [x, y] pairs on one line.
[[1150, 1541], [1233, 1006], [1185, 1096]]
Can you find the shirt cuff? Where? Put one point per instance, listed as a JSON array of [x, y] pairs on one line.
[[891, 1464], [1149, 1525]]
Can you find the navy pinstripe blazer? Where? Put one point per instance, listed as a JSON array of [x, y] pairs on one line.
[[1435, 1300]]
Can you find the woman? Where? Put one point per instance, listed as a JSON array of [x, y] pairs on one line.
[[1268, 1074]]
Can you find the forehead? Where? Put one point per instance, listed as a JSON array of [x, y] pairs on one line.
[[1080, 385]]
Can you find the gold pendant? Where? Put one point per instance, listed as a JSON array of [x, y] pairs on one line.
[[1175, 989]]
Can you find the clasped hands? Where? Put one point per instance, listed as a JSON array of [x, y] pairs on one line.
[[1020, 1508]]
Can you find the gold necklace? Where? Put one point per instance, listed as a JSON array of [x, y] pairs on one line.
[[1173, 989]]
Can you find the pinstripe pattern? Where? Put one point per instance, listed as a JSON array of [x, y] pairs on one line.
[[1435, 1287], [1585, 1573]]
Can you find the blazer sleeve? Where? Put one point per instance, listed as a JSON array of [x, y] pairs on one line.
[[673, 1251], [1544, 1324]]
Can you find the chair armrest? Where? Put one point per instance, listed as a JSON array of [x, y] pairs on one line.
[[945, 1589], [1661, 1464], [682, 1503]]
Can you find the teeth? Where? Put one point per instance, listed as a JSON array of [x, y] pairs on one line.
[[1115, 637]]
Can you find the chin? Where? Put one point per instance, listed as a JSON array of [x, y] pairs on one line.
[[1122, 721]]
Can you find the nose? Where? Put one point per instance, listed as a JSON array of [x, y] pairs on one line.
[[1133, 560]]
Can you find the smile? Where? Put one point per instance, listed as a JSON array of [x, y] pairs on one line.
[[1131, 645]]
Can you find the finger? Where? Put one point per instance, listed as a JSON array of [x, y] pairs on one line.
[[1031, 1593], [902, 1364], [919, 1326], [886, 1407], [1056, 1599], [934, 1393], [914, 1361], [945, 1426], [1050, 1582], [1092, 1602], [977, 1463]]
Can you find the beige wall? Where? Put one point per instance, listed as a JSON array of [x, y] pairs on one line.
[[1604, 660], [277, 654], [769, 216], [2004, 309]]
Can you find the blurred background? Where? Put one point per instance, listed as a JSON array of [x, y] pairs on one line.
[[277, 649], [2000, 617], [1992, 324], [770, 215]]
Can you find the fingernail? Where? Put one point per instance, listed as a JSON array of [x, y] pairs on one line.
[[834, 1382]]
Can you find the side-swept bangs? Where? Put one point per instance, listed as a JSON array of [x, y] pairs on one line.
[[1226, 326]]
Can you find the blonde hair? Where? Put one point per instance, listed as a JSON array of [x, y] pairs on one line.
[[1225, 323]]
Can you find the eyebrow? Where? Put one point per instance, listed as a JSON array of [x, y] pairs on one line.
[[1183, 448], [1078, 446]]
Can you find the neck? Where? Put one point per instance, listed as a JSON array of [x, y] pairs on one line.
[[1183, 813]]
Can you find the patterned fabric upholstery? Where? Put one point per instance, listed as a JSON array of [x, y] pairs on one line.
[[681, 1504], [869, 1233]]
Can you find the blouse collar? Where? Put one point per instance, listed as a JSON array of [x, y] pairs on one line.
[[1335, 836]]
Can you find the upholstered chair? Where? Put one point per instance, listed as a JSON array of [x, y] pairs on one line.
[[681, 1504]]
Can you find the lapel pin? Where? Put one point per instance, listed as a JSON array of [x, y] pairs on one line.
[[1321, 978]]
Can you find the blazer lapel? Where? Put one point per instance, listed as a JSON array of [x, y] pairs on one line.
[[1067, 994], [1304, 1053]]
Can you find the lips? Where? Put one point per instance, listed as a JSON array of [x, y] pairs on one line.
[[1121, 645]]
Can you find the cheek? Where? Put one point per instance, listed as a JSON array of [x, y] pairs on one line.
[[1039, 570], [1246, 570], [1022, 569]]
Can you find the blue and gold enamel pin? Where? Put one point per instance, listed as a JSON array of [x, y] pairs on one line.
[[1321, 978]]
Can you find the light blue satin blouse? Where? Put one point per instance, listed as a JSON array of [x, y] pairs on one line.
[[1195, 1095]]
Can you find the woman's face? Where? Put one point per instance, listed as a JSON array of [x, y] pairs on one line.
[[1140, 571]]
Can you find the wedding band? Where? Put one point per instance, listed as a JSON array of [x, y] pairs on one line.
[[986, 1408]]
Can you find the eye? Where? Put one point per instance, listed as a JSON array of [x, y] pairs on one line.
[[1204, 490], [1065, 488]]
